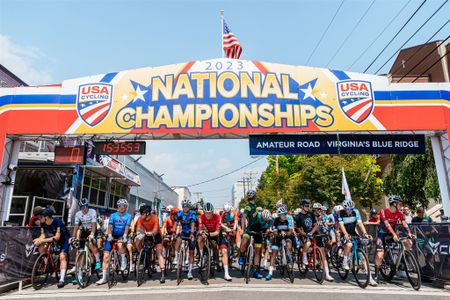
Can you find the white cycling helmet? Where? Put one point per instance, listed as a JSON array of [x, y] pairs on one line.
[[279, 203], [348, 204], [266, 215], [122, 202], [227, 207], [169, 207], [259, 209], [317, 206], [242, 210], [251, 194], [296, 211], [282, 210], [338, 208]]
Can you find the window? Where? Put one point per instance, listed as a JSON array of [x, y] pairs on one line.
[[94, 188]]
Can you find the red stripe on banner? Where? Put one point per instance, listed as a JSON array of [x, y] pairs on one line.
[[406, 118], [364, 115], [260, 67], [357, 107], [90, 113], [99, 118]]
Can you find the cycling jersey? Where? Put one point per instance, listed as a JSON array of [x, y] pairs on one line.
[[290, 220], [149, 224], [84, 221], [186, 220], [169, 224], [229, 218], [306, 221], [389, 220], [330, 220], [281, 225], [350, 221], [119, 222], [253, 217], [211, 225], [374, 220], [50, 231]]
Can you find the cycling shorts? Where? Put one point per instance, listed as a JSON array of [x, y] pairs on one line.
[[187, 235], [276, 245]]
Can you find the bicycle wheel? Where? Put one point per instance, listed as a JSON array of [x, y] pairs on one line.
[[168, 259], [141, 266], [205, 264], [318, 265], [112, 268], [290, 265], [180, 265], [83, 268], [387, 267], [40, 271], [360, 268], [303, 269], [248, 263], [339, 258], [333, 255], [126, 272], [412, 270]]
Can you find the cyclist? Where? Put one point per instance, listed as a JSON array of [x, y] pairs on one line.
[[266, 224], [329, 224], [389, 217], [118, 228], [54, 230], [307, 226], [148, 224], [350, 218], [229, 223], [86, 228], [283, 230], [374, 217], [168, 229], [251, 217], [186, 219], [209, 227]]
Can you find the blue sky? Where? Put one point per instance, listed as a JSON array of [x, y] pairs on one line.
[[50, 41]]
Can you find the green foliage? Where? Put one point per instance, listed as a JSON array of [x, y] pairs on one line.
[[319, 178], [413, 177]]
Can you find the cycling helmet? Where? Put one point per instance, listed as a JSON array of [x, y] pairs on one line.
[[259, 209], [274, 215], [83, 202], [394, 199], [324, 208], [266, 215], [169, 207], [304, 202], [163, 208], [227, 207], [208, 207], [145, 209], [373, 211], [317, 206], [47, 212], [122, 202], [186, 204], [251, 194], [279, 203], [282, 210], [338, 208], [241, 211], [348, 204], [174, 211], [296, 211]]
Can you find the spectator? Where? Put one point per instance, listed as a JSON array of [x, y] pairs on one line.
[[421, 217], [374, 218], [34, 220], [408, 214], [443, 217]]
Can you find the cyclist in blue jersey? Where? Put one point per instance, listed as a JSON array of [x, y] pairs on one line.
[[118, 227], [54, 230], [187, 219]]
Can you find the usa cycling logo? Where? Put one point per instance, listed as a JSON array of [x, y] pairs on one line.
[[355, 98], [94, 102]]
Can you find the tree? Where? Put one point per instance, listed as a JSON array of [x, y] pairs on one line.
[[413, 177]]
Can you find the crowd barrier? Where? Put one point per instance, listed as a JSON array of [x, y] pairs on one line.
[[432, 249]]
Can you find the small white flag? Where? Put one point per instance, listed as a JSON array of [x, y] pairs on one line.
[[345, 189]]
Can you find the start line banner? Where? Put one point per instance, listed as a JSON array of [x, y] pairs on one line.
[[336, 144]]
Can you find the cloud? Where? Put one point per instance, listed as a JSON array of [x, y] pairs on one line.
[[22, 60]]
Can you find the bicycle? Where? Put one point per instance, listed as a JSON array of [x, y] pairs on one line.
[[248, 259], [46, 264], [206, 261], [285, 261], [84, 264], [357, 260], [114, 263], [168, 253], [396, 257], [315, 261], [182, 253], [145, 259]]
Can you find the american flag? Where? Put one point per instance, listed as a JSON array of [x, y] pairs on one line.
[[230, 43]]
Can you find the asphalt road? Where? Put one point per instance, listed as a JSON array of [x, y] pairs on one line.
[[217, 288]]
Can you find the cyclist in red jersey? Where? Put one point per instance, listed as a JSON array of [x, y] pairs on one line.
[[389, 217], [209, 226]]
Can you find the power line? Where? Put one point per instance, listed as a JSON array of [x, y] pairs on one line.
[[424, 72], [351, 32], [231, 172], [401, 47], [425, 56], [420, 48], [325, 32], [398, 32], [379, 35]]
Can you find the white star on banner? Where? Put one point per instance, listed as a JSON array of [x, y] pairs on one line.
[[308, 93], [140, 94]]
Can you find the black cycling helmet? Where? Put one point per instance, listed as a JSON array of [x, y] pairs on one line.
[[47, 212], [145, 209], [373, 211], [208, 207], [83, 202], [304, 202]]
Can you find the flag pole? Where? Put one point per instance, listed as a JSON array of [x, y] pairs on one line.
[[221, 32]]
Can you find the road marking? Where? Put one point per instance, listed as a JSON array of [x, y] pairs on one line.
[[100, 292]]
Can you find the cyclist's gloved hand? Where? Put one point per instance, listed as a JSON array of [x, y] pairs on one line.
[[310, 234], [110, 238]]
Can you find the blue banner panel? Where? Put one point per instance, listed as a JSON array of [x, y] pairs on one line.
[[336, 144]]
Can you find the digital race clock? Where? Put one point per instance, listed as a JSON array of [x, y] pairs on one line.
[[120, 148]]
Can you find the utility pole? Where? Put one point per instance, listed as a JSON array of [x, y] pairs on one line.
[[250, 178], [197, 194]]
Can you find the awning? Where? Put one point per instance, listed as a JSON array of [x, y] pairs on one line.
[[110, 167]]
